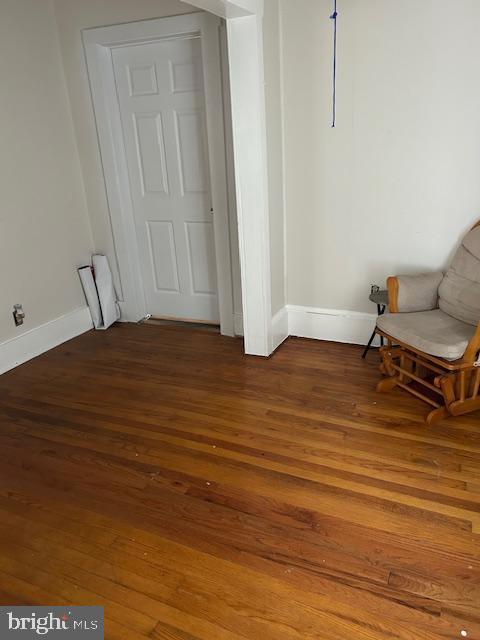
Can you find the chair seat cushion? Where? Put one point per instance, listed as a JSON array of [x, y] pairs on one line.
[[433, 332]]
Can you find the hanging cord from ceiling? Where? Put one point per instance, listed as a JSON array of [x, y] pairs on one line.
[[334, 92]]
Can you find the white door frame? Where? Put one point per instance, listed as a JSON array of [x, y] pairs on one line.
[[245, 47], [99, 43], [247, 90]]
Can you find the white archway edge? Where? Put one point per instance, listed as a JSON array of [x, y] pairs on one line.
[[229, 8], [245, 49]]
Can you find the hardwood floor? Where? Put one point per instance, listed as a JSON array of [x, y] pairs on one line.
[[199, 494]]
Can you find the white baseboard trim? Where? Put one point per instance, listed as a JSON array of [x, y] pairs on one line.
[[32, 343], [280, 331], [334, 325], [306, 322]]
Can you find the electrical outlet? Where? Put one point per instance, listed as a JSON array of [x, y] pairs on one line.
[[18, 314]]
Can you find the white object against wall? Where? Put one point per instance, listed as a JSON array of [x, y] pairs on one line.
[[44, 228], [106, 291], [91, 294]]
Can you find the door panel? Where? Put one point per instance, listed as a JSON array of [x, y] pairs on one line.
[[191, 150], [200, 251], [142, 81], [152, 163], [163, 256], [161, 97]]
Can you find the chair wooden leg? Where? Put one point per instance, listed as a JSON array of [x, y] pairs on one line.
[[436, 415], [387, 384], [453, 391], [460, 407], [447, 385], [385, 367]]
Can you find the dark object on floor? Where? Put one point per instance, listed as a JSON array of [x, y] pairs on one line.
[[380, 298]]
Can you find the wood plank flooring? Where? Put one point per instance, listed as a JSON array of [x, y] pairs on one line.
[[199, 494]]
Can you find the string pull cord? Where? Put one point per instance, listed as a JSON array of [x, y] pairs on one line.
[[334, 88]]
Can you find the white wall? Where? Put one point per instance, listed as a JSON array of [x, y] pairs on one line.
[[44, 230], [395, 185], [73, 16], [391, 189]]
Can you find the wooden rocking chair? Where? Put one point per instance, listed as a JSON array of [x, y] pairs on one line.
[[433, 334]]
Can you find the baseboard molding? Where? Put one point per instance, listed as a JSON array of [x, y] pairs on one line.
[[36, 341], [306, 322], [280, 331], [334, 325]]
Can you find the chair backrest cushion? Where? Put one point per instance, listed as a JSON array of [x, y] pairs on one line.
[[459, 291]]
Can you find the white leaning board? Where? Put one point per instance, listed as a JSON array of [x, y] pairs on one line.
[[100, 292]]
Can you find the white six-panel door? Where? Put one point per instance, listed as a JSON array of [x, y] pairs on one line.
[[162, 106]]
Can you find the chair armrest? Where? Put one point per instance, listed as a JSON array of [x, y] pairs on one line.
[[413, 293], [473, 348]]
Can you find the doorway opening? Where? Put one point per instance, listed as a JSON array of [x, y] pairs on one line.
[[161, 98]]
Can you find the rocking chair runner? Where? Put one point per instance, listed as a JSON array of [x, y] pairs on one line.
[[433, 334]]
